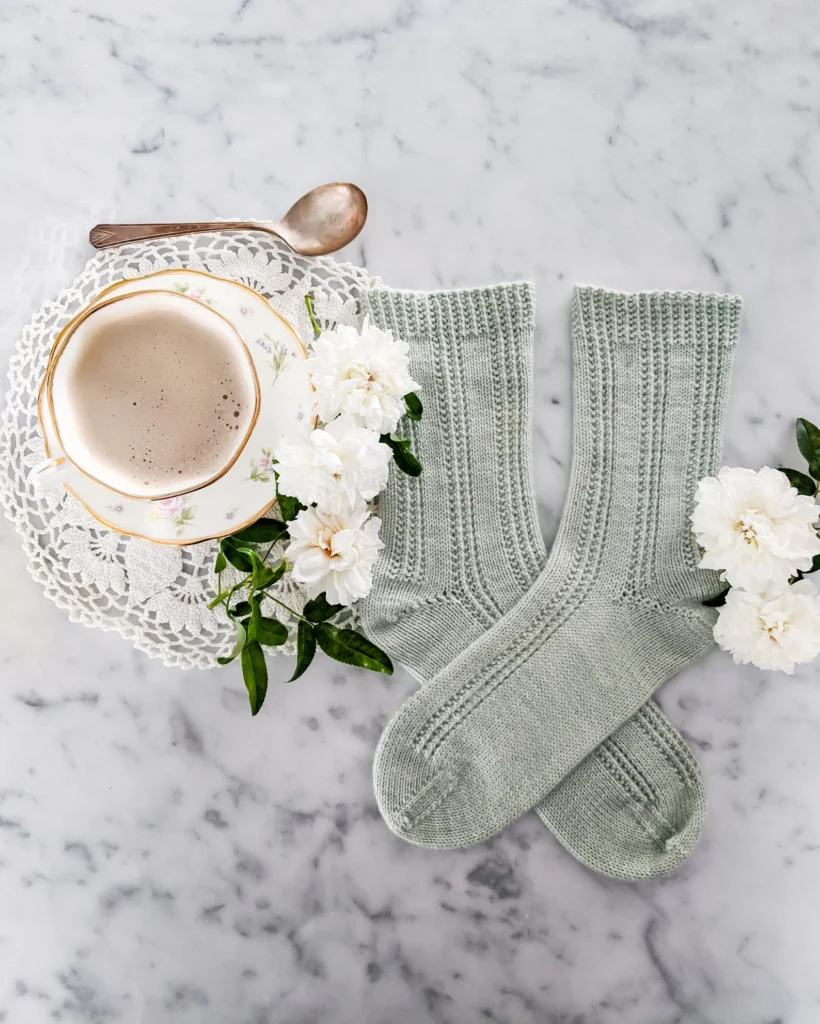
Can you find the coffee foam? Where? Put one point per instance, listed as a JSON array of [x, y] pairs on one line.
[[155, 398]]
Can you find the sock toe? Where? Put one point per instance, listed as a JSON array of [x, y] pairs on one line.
[[684, 818], [631, 819], [410, 787]]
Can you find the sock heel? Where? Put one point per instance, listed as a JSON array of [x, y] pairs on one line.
[[424, 633]]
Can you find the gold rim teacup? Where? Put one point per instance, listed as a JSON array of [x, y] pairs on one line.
[[52, 470]]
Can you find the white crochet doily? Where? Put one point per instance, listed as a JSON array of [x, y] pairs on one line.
[[156, 596]]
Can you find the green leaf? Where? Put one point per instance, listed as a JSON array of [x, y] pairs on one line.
[[808, 441], [261, 575], [268, 575], [255, 674], [407, 461], [402, 456], [239, 644], [231, 551], [263, 531], [718, 601], [252, 556], [271, 632], [305, 648], [350, 647], [261, 628], [803, 483], [221, 563], [288, 506], [318, 609], [243, 608], [815, 566], [413, 405], [255, 619]]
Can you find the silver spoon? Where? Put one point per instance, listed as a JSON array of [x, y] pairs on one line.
[[322, 221]]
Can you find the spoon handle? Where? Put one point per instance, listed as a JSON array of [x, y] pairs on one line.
[[104, 236]]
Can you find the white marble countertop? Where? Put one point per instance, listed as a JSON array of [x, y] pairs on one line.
[[164, 857]]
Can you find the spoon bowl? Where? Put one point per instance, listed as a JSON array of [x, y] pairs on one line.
[[324, 220]]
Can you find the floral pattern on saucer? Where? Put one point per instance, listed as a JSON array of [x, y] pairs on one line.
[[176, 509], [248, 488], [278, 353], [193, 291], [262, 467]]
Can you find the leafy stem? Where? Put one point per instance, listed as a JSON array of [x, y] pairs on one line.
[[253, 630], [287, 607], [225, 595], [317, 330]]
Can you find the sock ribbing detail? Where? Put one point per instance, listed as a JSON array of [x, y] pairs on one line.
[[660, 733], [609, 325], [512, 407], [447, 332], [592, 463], [624, 770]]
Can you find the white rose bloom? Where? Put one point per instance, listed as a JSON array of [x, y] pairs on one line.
[[776, 630], [336, 467], [754, 527], [365, 375], [335, 554]]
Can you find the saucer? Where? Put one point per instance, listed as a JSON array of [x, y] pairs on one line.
[[248, 489]]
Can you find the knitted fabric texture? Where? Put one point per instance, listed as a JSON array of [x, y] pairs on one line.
[[635, 807], [617, 609]]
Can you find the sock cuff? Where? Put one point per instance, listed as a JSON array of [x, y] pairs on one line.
[[441, 318], [470, 521], [669, 317], [650, 385]]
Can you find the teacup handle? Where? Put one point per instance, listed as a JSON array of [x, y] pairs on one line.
[[48, 473]]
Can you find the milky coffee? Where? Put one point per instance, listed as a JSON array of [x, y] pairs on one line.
[[157, 397]]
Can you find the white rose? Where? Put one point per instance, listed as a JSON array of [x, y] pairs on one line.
[[775, 630], [335, 554], [754, 527], [364, 375], [336, 468]]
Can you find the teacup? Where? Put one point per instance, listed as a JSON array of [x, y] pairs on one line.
[[152, 394]]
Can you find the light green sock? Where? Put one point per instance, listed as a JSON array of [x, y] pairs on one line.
[[618, 608], [455, 563]]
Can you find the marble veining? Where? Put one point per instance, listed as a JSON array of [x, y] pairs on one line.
[[163, 857]]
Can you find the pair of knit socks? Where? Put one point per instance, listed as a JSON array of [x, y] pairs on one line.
[[537, 673]]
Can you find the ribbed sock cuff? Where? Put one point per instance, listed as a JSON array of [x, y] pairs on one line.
[[431, 320], [650, 385], [471, 352], [672, 317]]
